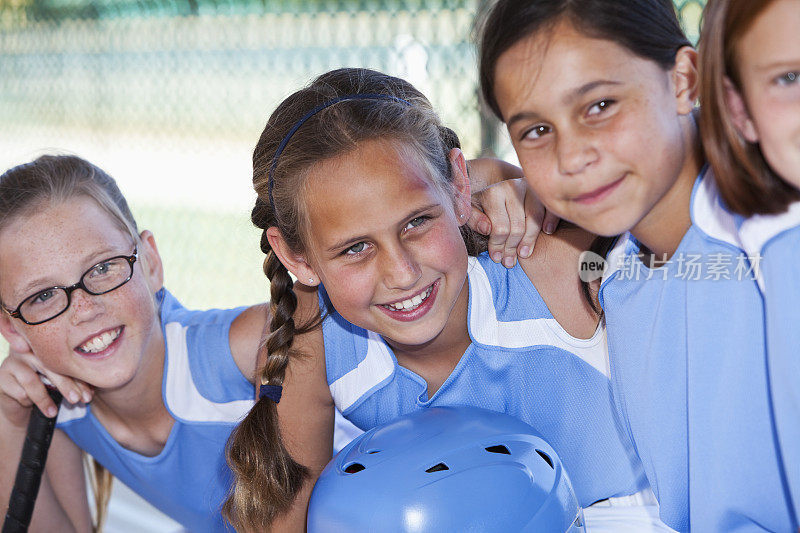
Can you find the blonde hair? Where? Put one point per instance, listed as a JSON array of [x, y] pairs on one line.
[[746, 182], [54, 179]]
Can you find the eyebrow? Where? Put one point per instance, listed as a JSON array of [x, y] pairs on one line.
[[788, 63], [568, 97], [40, 284], [354, 240]]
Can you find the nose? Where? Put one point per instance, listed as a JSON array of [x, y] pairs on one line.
[[84, 306], [575, 152], [400, 268]]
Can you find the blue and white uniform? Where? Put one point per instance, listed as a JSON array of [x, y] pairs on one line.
[[774, 243], [688, 367], [207, 395], [520, 362]]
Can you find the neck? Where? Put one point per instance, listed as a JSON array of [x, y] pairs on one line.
[[138, 402], [663, 228]]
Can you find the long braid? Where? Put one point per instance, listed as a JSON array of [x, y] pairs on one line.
[[266, 477]]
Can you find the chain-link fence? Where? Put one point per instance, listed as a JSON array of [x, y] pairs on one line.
[[169, 96]]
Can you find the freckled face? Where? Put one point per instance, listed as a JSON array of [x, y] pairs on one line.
[[768, 58], [386, 244], [99, 339], [596, 128]]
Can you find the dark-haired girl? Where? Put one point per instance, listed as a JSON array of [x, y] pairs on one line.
[[599, 99]]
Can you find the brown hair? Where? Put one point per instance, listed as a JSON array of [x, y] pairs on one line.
[[54, 179], [266, 478], [746, 182]]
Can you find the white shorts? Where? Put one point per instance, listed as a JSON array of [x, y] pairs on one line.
[[637, 513]]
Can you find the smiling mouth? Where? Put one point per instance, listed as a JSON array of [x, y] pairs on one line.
[[411, 303], [599, 193], [100, 342]]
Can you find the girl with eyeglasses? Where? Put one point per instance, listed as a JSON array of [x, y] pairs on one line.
[[160, 386]]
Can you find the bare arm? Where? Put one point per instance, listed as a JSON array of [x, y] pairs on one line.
[[245, 336]]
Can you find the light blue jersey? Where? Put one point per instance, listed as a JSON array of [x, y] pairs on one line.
[[207, 395], [688, 364], [520, 362], [774, 241]]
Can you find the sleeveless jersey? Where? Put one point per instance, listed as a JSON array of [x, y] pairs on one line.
[[207, 395], [688, 366], [520, 362]]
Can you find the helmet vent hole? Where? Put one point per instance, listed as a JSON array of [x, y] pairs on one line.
[[438, 468], [545, 457], [498, 449], [372, 451], [353, 468]]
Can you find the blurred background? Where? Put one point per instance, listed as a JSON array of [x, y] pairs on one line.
[[170, 96]]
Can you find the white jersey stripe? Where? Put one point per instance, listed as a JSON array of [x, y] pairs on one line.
[[182, 397]]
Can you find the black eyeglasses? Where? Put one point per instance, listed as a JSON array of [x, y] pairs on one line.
[[105, 276]]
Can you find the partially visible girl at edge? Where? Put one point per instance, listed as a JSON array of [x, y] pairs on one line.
[[598, 97], [750, 96], [362, 195]]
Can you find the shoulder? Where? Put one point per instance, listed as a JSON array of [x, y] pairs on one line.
[[245, 335]]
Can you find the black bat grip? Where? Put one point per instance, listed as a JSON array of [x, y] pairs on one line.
[[30, 469]]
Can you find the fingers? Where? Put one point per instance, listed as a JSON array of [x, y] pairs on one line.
[[550, 223], [479, 222], [73, 391], [22, 382], [507, 234]]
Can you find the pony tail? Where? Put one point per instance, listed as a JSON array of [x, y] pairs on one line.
[[266, 477], [100, 481]]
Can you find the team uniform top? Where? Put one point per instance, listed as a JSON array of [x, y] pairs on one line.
[[688, 367], [520, 362], [207, 395], [773, 241]]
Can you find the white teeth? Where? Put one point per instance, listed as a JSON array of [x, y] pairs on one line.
[[411, 302], [101, 342]]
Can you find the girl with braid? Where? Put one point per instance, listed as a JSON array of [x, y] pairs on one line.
[[362, 198]]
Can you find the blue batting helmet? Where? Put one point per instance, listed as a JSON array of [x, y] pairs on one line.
[[446, 469]]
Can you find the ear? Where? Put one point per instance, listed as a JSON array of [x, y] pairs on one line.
[[463, 197], [295, 263], [152, 267], [16, 341], [738, 112], [685, 79]]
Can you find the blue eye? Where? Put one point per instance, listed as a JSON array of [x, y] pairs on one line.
[[43, 296], [101, 269], [536, 132], [788, 78], [416, 222], [357, 248]]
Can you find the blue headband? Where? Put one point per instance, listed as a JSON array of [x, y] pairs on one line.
[[285, 141]]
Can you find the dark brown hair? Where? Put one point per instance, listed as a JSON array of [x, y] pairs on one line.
[[266, 478], [648, 28], [746, 182]]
